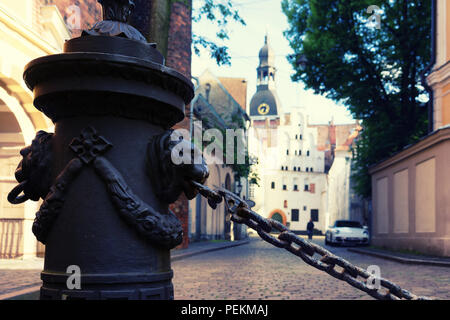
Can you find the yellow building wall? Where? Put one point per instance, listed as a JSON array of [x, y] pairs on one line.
[[446, 88], [27, 31], [446, 104], [439, 79], [447, 29]]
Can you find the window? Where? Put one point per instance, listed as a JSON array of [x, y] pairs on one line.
[[284, 187], [295, 152], [294, 215], [285, 204], [307, 153], [282, 168], [306, 187], [347, 224], [295, 187], [315, 215], [273, 185], [301, 137], [304, 208], [312, 170], [287, 152], [300, 152], [307, 169], [296, 137], [295, 168], [299, 169]]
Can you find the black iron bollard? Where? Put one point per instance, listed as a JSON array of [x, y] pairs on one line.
[[106, 175]]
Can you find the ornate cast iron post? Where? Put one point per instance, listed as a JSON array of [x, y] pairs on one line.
[[106, 175]]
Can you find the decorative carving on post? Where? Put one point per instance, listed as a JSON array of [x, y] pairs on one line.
[[170, 179], [54, 201], [33, 172], [90, 145], [106, 197], [116, 14]]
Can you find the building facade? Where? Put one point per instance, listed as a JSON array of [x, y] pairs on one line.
[[218, 106], [304, 168], [27, 31], [410, 190], [292, 187], [342, 202]]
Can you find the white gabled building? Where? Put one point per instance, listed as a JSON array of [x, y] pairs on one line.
[[293, 183]]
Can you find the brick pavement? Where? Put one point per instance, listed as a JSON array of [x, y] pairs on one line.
[[17, 280], [261, 271], [19, 276]]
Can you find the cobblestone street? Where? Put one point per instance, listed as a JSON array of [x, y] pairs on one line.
[[260, 271]]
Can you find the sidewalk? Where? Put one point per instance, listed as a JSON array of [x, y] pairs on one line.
[[403, 257], [205, 246], [20, 279]]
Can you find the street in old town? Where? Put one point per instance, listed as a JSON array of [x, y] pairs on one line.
[[261, 271], [258, 271], [148, 147]]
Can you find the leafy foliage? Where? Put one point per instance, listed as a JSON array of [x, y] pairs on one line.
[[376, 73], [220, 12]]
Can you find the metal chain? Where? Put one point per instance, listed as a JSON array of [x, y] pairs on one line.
[[309, 252]]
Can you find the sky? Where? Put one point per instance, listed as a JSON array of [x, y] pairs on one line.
[[263, 16]]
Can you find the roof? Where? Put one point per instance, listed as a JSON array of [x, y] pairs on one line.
[[237, 87], [269, 99], [214, 92], [266, 55], [338, 135]]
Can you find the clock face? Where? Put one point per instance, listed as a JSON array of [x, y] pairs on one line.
[[263, 109]]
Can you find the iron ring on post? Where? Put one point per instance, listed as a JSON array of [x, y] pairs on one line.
[[13, 196]]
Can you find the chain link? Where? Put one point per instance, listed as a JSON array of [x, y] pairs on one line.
[[309, 252]]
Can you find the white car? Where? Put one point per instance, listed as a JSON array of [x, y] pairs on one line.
[[347, 232]]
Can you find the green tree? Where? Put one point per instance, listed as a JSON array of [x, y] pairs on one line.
[[375, 72], [152, 18], [220, 13]]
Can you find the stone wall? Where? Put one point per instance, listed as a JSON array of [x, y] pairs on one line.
[[411, 207]]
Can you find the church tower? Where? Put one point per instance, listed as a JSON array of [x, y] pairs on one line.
[[265, 103]]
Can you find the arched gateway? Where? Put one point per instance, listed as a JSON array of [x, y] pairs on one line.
[[279, 216], [24, 38]]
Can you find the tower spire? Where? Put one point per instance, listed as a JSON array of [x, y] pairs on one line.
[[265, 102]]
